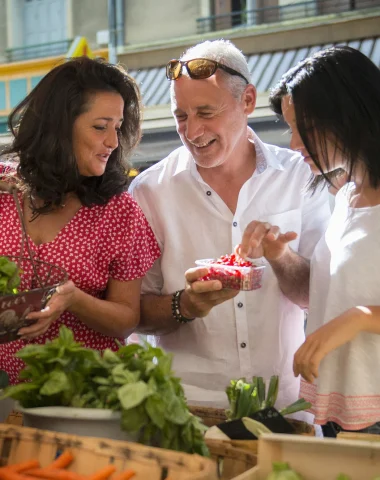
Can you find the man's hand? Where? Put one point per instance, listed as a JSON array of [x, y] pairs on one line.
[[62, 299], [200, 296], [339, 331], [264, 240]]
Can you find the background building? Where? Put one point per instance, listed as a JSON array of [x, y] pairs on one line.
[[274, 35]]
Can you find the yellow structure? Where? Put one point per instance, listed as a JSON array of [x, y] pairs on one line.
[[80, 48]]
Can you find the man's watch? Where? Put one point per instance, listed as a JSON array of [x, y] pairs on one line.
[[176, 309]]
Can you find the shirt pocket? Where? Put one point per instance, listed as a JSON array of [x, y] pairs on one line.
[[290, 221]]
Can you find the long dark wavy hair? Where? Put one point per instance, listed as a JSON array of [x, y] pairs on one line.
[[42, 125], [336, 97]]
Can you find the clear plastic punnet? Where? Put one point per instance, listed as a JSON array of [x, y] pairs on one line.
[[247, 277]]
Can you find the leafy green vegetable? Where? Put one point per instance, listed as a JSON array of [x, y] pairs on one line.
[[9, 276], [246, 399], [282, 471], [297, 406], [136, 380]]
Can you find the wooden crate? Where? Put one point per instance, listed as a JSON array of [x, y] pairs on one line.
[[236, 456], [370, 437], [18, 444], [15, 418], [317, 458], [231, 458]]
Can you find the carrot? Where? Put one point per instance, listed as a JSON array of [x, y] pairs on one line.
[[126, 475], [50, 474], [62, 461], [7, 474], [23, 466], [103, 473]]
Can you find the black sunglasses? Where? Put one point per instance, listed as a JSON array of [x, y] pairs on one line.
[[198, 69]]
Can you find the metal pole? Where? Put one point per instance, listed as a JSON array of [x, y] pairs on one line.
[[120, 23], [112, 57]]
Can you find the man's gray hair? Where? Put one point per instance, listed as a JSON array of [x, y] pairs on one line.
[[228, 54]]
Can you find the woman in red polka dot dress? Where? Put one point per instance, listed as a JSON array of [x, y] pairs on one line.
[[76, 128]]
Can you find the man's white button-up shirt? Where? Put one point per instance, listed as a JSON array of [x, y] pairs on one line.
[[258, 332]]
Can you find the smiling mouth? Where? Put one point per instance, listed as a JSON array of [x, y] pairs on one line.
[[203, 145]]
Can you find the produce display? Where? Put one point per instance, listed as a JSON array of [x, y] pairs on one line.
[[136, 380], [282, 471], [233, 272], [9, 276], [248, 398], [32, 470]]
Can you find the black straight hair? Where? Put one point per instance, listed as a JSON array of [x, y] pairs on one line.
[[336, 97]]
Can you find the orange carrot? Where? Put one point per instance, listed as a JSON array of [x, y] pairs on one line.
[[103, 473], [50, 474], [8, 474], [126, 475], [23, 466], [62, 461]]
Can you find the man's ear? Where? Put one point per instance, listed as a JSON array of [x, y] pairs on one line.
[[249, 98]]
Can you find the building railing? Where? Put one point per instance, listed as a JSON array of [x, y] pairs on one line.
[[280, 13], [42, 50]]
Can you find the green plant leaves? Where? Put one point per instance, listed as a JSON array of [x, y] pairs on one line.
[[56, 383], [136, 380], [132, 394]]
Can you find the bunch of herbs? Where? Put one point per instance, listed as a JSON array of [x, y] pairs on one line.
[[136, 380]]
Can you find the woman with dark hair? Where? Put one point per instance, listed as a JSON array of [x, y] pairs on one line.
[[331, 102], [72, 134]]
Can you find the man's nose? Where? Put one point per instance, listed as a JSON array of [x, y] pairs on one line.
[[194, 129]]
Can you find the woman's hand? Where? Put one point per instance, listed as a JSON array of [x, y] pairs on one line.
[[334, 334], [62, 300]]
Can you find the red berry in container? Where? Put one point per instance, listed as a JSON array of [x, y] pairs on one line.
[[233, 272]]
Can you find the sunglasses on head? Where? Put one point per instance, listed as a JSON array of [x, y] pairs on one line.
[[198, 69]]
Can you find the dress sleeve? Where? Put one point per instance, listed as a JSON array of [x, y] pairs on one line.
[[136, 245]]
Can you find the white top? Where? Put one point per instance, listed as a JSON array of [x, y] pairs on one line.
[[346, 273], [258, 332]]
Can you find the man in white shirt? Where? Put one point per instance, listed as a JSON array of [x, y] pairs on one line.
[[198, 201]]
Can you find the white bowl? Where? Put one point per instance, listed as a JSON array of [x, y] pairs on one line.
[[87, 422]]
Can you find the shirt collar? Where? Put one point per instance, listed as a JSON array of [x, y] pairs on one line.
[[265, 156]]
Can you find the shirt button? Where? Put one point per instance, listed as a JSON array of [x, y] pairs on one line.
[[208, 193], [235, 224], [243, 345], [240, 304]]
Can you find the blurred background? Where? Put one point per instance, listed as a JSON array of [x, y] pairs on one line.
[[143, 35]]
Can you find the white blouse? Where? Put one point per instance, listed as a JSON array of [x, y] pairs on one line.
[[345, 272]]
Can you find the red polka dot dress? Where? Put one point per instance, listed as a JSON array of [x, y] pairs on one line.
[[112, 241]]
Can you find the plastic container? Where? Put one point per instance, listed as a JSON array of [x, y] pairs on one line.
[[236, 278]]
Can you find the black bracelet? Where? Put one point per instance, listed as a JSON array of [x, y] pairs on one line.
[[176, 309]]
